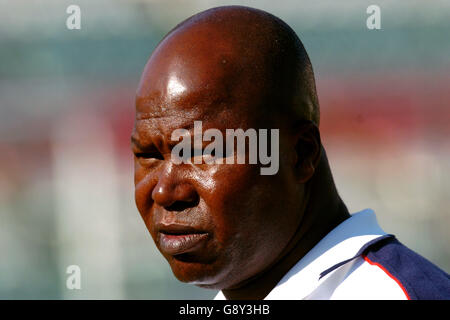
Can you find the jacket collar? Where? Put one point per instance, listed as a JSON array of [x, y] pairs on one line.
[[340, 246]]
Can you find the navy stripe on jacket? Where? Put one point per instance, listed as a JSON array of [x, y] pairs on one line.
[[421, 278]]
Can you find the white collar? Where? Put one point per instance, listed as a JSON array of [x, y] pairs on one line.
[[342, 243]]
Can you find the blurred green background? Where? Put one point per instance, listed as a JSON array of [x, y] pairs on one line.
[[66, 113]]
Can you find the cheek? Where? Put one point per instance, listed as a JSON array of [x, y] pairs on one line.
[[231, 197], [252, 215], [144, 184]]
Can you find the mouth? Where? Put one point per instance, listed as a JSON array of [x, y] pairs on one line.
[[178, 239]]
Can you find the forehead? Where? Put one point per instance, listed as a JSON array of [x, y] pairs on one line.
[[177, 101], [157, 118], [163, 113]]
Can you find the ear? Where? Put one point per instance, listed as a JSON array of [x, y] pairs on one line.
[[308, 149]]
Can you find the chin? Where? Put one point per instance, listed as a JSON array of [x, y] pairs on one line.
[[203, 275]]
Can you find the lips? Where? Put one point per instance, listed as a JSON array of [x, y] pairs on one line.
[[178, 239]]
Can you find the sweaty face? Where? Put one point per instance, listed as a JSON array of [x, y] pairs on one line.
[[216, 224]]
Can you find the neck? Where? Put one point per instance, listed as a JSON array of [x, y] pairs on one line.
[[323, 212]]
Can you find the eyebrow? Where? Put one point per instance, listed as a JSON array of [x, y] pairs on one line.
[[188, 125], [135, 141]]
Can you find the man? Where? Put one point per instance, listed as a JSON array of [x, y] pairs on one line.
[[226, 226]]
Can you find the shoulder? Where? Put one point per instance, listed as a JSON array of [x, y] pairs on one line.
[[363, 281], [415, 275]]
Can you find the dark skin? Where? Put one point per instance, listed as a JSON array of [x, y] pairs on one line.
[[221, 69]]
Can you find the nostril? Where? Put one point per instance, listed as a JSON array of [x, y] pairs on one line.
[[174, 196], [182, 205]]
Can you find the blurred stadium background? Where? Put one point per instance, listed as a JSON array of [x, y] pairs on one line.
[[66, 97]]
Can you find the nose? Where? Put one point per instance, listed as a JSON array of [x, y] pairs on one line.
[[172, 191]]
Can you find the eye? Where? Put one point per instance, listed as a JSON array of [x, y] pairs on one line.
[[149, 155]]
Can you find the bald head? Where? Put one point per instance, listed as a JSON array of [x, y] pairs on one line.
[[236, 54]]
